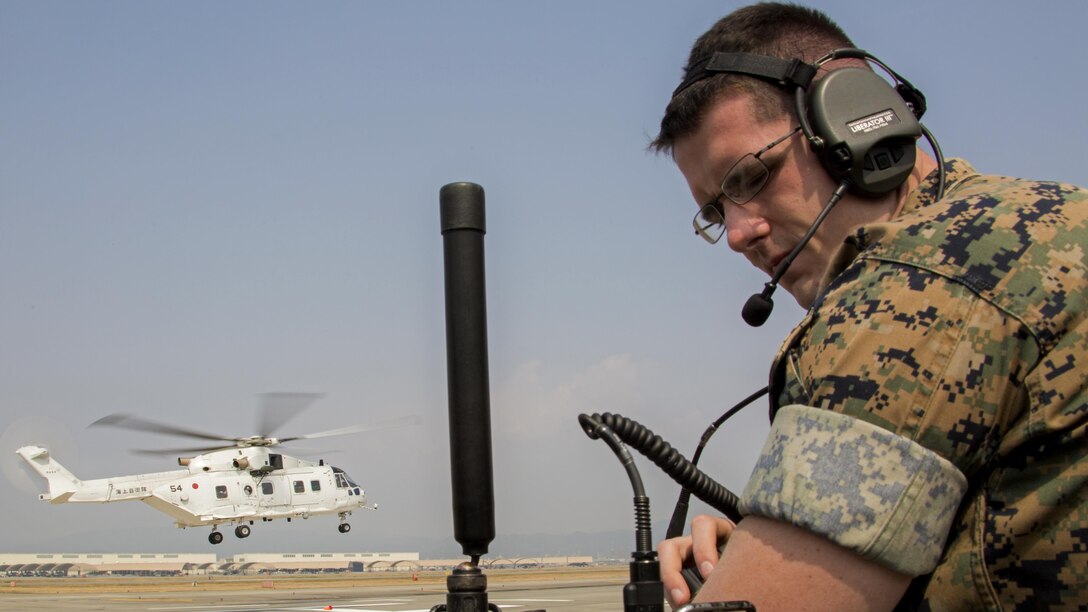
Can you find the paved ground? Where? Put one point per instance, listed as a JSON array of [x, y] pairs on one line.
[[596, 593]]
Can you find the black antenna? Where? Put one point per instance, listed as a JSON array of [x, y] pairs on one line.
[[463, 227]]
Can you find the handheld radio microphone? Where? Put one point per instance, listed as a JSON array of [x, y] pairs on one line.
[[758, 307]]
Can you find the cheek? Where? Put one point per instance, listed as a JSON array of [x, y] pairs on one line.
[[803, 172], [800, 201]]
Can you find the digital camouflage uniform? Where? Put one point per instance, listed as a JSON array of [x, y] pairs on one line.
[[961, 325]]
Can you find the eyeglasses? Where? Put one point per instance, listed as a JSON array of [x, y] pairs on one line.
[[745, 179]]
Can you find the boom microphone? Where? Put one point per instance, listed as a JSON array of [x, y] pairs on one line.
[[758, 307]]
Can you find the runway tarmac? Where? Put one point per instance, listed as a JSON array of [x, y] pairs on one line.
[[559, 596]]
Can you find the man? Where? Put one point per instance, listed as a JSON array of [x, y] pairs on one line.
[[927, 446]]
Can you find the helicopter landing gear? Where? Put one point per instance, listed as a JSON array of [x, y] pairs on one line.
[[242, 531], [215, 537], [344, 526]]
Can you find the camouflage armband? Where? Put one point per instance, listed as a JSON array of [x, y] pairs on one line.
[[879, 494]]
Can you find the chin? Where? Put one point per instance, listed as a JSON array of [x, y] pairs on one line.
[[803, 295]]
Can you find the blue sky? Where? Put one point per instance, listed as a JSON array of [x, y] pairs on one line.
[[201, 202]]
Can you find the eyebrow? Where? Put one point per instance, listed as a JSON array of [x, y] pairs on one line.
[[773, 161]]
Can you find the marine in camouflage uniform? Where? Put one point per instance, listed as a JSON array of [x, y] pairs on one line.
[[930, 412]]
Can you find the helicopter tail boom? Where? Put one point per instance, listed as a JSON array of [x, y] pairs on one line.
[[62, 483]]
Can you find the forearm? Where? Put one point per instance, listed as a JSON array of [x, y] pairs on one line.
[[778, 566]]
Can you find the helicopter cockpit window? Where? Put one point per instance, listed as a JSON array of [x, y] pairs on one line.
[[300, 487], [266, 488], [315, 485], [343, 481], [221, 492]]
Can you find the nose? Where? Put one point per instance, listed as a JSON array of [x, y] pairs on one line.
[[745, 227]]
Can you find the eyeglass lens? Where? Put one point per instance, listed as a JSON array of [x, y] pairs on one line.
[[709, 223], [745, 179]]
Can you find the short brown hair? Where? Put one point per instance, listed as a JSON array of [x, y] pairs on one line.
[[786, 31]]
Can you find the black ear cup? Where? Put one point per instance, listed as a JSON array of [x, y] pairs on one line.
[[862, 130]]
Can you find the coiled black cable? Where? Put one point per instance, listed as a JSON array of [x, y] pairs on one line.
[[672, 462]]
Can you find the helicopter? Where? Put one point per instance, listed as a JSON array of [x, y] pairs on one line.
[[236, 482]]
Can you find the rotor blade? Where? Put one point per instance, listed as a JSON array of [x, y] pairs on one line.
[[278, 408], [309, 452], [353, 429], [127, 421], [177, 451]]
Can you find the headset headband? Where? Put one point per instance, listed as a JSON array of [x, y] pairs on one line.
[[792, 73], [783, 72]]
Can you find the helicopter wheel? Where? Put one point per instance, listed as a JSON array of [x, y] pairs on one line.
[[344, 527], [242, 531], [215, 537]]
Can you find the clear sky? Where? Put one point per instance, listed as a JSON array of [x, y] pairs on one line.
[[204, 201]]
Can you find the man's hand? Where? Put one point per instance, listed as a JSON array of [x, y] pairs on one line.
[[708, 533]]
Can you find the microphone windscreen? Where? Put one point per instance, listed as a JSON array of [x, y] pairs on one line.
[[757, 310]]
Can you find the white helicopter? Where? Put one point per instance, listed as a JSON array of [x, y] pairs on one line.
[[236, 483]]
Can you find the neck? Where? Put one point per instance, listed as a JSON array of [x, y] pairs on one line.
[[924, 165]]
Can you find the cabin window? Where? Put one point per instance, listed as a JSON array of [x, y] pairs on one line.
[[266, 488], [221, 491], [315, 485], [300, 487], [248, 489]]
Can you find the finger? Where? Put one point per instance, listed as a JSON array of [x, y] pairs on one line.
[[708, 533], [671, 554]]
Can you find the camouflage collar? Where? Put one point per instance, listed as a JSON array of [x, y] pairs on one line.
[[924, 195], [956, 170]]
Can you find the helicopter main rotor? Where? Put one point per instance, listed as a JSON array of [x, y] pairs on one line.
[[276, 409]]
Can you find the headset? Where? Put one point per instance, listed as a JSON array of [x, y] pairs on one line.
[[862, 128]]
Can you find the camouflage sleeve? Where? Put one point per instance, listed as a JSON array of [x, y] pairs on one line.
[[881, 495], [917, 354]]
